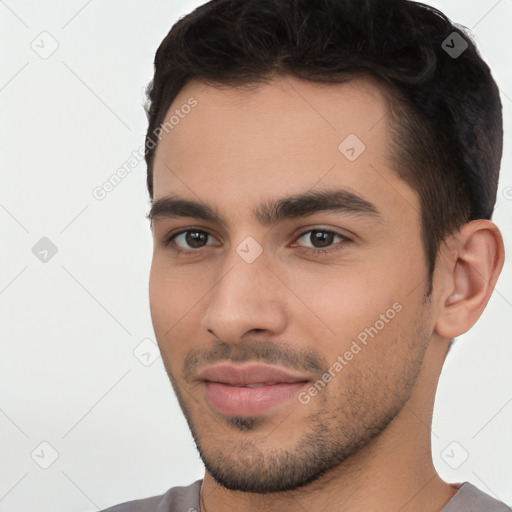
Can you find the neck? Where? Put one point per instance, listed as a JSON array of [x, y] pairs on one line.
[[394, 472]]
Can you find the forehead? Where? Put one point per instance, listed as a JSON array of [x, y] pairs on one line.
[[285, 136], [230, 118]]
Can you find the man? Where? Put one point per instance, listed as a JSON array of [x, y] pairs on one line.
[[322, 176]]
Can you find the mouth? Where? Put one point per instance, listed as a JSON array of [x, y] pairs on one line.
[[249, 389]]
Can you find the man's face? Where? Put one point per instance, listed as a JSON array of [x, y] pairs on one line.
[[346, 327]]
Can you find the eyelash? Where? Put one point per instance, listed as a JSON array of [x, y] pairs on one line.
[[168, 241]]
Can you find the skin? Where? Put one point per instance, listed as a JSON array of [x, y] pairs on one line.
[[363, 442]]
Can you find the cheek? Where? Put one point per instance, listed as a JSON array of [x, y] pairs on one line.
[[178, 297], [170, 298], [362, 302], [345, 299]]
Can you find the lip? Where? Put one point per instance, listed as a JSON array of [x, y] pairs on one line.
[[249, 389], [249, 373]]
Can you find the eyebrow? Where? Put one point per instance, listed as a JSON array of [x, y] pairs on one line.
[[340, 201]]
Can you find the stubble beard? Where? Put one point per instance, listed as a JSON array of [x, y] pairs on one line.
[[346, 422]]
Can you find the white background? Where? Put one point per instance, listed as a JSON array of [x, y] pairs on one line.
[[69, 327]]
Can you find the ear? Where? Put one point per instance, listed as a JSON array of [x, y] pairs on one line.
[[469, 266]]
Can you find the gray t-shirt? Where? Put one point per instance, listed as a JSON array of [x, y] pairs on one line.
[[186, 499]]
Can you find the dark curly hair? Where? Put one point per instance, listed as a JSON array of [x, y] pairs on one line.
[[445, 108]]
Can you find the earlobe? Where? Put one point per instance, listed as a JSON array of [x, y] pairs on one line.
[[468, 276]]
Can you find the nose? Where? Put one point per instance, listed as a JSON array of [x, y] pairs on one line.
[[247, 297]]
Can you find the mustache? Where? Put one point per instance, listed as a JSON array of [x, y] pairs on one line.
[[278, 354]]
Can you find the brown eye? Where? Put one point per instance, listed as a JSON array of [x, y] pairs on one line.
[[188, 241], [195, 239], [319, 241]]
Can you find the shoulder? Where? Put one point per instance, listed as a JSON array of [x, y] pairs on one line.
[[471, 499], [181, 498]]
